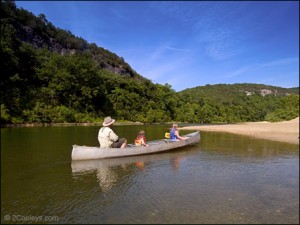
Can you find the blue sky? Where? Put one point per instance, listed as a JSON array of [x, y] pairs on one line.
[[189, 43]]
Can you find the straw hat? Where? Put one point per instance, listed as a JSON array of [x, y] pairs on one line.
[[108, 121]]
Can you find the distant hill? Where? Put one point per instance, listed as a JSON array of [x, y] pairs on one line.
[[227, 92]]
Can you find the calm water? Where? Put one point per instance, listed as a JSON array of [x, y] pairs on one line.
[[225, 178]]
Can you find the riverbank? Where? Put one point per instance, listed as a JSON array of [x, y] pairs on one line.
[[286, 131]]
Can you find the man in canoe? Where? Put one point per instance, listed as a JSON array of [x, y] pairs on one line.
[[107, 137]]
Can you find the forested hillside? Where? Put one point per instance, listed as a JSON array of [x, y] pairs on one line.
[[243, 102], [49, 75]]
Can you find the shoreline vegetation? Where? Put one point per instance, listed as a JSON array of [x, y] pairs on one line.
[[66, 124], [285, 131]]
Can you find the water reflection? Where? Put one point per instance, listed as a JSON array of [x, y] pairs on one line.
[[194, 185], [104, 172], [176, 162], [140, 165], [109, 171]]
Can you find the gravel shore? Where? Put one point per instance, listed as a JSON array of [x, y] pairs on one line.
[[286, 131]]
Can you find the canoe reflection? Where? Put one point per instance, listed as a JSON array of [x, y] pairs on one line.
[[108, 171]]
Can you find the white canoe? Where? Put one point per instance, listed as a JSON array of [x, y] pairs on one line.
[[86, 152]]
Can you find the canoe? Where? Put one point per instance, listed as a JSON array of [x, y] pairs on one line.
[[87, 152]]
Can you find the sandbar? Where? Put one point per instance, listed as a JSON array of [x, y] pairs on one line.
[[285, 131]]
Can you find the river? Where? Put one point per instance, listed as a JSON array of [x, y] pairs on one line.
[[225, 178]]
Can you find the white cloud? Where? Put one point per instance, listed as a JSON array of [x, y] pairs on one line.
[[259, 66]]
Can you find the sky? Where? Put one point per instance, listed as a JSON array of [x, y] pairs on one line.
[[189, 43]]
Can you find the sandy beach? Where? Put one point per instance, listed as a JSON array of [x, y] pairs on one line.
[[286, 131]]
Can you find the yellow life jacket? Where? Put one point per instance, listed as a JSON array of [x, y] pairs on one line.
[[167, 135]]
